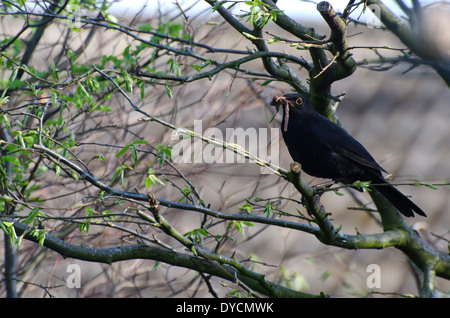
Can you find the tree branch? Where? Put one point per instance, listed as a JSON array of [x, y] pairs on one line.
[[214, 267], [323, 75], [418, 43]]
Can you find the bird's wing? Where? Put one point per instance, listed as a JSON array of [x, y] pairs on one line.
[[339, 141], [362, 158]]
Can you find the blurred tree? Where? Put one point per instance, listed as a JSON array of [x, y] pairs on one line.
[[93, 109]]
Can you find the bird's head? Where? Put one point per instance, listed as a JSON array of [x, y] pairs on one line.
[[289, 101]]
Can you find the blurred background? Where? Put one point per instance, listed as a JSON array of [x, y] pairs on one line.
[[399, 113]]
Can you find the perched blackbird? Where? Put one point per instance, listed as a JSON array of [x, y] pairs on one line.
[[326, 150]]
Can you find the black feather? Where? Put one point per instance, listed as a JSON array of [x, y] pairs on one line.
[[326, 150]]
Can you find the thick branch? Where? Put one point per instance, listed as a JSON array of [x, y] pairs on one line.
[[400, 237], [326, 232], [313, 206], [338, 37], [412, 245], [342, 65], [111, 255]]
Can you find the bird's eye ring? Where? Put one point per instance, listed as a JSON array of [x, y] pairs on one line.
[[299, 101]]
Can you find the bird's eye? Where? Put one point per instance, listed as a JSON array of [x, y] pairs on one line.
[[299, 101]]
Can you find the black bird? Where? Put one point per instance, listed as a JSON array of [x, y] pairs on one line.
[[326, 150]]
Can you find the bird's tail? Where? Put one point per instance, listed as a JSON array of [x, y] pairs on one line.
[[398, 199]]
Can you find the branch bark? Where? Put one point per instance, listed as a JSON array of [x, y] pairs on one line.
[[342, 65], [251, 279], [397, 233]]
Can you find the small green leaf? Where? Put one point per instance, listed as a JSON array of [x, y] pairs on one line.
[[240, 225], [13, 159], [268, 209], [8, 227], [168, 91], [174, 67], [84, 228], [108, 212], [186, 192], [134, 155], [429, 185], [128, 81], [139, 142], [197, 235], [83, 91], [13, 76], [363, 185], [101, 108], [151, 179], [4, 119], [124, 149], [246, 207], [120, 171], [40, 235], [31, 216], [57, 169], [273, 117], [164, 152], [141, 85], [101, 157], [54, 95]]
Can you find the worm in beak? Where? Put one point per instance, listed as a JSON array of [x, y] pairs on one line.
[[281, 100]]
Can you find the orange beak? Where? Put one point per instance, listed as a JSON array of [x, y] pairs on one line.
[[281, 100]]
